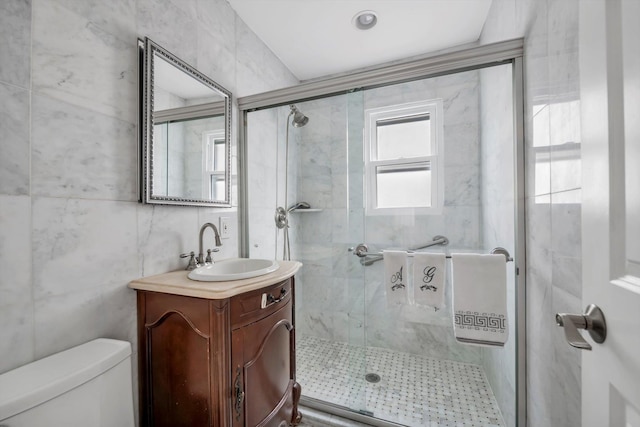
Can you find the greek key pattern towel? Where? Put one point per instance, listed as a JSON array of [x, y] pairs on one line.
[[480, 299]]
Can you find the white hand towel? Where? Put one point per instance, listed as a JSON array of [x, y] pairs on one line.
[[480, 299], [395, 281], [428, 279]]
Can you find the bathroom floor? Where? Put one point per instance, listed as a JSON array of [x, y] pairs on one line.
[[413, 390]]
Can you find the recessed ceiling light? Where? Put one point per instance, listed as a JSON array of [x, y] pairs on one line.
[[365, 19]]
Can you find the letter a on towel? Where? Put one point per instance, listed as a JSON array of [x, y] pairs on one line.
[[395, 281]]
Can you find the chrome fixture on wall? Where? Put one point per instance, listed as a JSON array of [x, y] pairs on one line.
[[282, 214], [299, 119]]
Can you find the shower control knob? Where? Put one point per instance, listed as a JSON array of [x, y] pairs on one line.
[[281, 218]]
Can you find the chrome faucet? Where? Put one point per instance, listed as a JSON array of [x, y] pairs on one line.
[[201, 260]]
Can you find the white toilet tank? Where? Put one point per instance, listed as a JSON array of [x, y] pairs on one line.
[[86, 386]]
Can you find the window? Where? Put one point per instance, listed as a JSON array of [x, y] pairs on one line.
[[403, 159], [214, 165]]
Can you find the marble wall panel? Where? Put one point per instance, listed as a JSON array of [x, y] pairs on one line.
[[262, 233], [16, 338], [68, 319], [117, 17], [315, 160], [347, 225], [461, 143], [120, 314], [253, 59], [219, 18], [15, 42], [165, 232], [16, 305], [218, 62], [15, 247], [566, 233], [418, 338], [76, 61], [71, 159], [171, 25], [320, 324], [461, 185], [314, 226], [14, 145], [316, 190], [82, 243]]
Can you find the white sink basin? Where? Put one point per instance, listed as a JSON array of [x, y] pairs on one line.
[[233, 269]]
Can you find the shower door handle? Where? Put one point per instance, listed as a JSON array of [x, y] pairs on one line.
[[592, 320]]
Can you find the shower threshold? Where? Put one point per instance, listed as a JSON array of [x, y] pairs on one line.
[[414, 390], [318, 413]]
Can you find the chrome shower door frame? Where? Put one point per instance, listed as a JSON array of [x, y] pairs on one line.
[[506, 52]]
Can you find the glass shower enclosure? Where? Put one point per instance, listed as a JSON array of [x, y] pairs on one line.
[[431, 164]]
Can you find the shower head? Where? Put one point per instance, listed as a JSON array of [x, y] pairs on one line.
[[299, 119]]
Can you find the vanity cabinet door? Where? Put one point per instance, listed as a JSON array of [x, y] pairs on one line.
[[263, 371], [184, 356], [177, 366]]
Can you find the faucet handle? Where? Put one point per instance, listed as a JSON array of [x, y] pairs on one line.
[[192, 260], [209, 260]]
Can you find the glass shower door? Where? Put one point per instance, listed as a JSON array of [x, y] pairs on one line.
[[453, 177], [356, 351]]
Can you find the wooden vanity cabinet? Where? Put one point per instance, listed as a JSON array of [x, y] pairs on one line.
[[218, 362]]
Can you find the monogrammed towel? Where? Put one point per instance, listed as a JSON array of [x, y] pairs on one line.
[[480, 299], [395, 281], [428, 279]]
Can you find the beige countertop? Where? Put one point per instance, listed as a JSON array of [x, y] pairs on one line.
[[177, 283]]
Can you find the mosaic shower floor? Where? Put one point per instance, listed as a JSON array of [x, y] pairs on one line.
[[413, 390]]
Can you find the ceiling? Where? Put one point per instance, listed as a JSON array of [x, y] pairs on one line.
[[316, 38]]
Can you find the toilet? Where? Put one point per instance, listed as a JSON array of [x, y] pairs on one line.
[[85, 386]]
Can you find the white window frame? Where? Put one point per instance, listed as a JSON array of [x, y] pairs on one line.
[[433, 108], [208, 142]]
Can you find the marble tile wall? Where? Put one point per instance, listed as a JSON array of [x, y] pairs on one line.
[[72, 234], [552, 119]]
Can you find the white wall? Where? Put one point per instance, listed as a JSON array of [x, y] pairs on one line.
[[72, 234], [553, 206]]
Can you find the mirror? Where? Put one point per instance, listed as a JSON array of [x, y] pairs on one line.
[[185, 134]]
